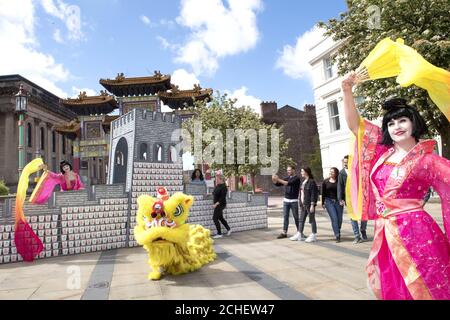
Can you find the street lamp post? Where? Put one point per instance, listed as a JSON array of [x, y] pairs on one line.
[[21, 109]]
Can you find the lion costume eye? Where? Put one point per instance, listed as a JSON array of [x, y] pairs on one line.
[[178, 211]]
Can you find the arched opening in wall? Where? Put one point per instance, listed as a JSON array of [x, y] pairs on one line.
[[29, 135], [143, 152], [173, 155], [158, 153], [120, 161]]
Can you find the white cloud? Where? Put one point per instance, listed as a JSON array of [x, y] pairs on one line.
[[166, 44], [145, 19], [294, 61], [223, 31], [183, 79], [57, 36], [21, 57], [89, 92], [69, 14], [50, 7], [167, 23], [243, 99]]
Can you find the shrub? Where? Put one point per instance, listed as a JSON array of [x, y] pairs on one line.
[[245, 188]]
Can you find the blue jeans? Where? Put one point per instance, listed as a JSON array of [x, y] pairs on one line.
[[287, 206], [355, 228], [336, 212]]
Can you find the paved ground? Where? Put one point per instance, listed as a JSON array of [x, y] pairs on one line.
[[250, 265]]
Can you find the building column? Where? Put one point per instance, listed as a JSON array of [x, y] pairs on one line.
[[49, 146], [37, 139], [11, 148]]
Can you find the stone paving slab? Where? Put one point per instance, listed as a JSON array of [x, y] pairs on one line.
[[250, 265]]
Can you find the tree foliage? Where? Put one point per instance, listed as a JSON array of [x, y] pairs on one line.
[[221, 113], [4, 190], [424, 25]]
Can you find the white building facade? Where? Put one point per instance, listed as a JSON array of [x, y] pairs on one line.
[[334, 134]]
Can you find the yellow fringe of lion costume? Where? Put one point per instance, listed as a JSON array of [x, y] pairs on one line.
[[173, 246]]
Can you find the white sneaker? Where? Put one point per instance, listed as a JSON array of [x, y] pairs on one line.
[[295, 237], [229, 233], [302, 238], [311, 238], [217, 236]]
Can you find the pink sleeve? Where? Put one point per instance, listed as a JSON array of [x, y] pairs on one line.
[[45, 187], [440, 181], [80, 184], [56, 176], [366, 150]]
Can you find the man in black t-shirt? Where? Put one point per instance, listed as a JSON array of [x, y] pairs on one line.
[[290, 201]]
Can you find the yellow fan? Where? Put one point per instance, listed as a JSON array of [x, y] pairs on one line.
[[382, 62], [390, 59], [414, 69]]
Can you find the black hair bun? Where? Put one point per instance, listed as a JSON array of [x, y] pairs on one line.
[[394, 103]]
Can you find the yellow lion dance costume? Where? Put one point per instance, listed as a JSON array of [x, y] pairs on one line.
[[173, 246]]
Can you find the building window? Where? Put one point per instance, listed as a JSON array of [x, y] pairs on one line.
[[333, 110], [29, 157], [54, 164], [63, 145], [143, 151], [42, 138], [29, 135], [328, 68], [173, 157], [53, 141], [84, 164], [158, 153]]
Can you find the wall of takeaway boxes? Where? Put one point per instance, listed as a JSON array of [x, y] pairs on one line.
[[103, 217]]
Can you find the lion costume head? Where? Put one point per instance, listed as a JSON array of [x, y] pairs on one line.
[[174, 246]]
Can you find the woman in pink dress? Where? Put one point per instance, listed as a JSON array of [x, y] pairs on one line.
[[68, 180], [390, 174]]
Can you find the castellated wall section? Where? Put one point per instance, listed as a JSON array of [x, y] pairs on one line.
[[103, 217]]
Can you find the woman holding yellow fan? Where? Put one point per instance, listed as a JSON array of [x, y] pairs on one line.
[[391, 169]]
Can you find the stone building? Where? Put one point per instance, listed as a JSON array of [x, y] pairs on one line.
[[301, 128], [41, 138]]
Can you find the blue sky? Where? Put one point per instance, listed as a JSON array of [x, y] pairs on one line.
[[68, 45]]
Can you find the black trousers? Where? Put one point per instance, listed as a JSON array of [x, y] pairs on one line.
[[312, 218], [218, 217]]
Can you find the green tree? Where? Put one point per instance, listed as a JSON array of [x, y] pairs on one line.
[[424, 25], [221, 113], [314, 160], [4, 190]]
